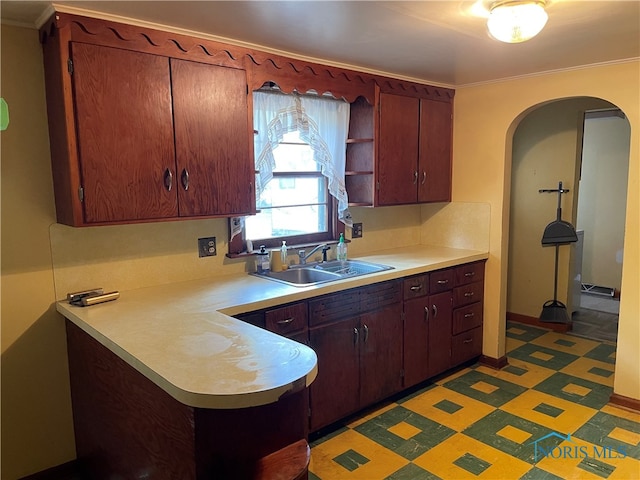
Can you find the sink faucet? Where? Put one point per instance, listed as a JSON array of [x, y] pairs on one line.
[[304, 256]]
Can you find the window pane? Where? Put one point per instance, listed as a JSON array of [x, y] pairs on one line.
[[287, 221], [290, 190], [294, 158]]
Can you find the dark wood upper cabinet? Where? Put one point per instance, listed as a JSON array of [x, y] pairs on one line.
[[414, 150], [147, 125], [138, 136], [214, 162], [434, 163], [125, 133], [398, 149]]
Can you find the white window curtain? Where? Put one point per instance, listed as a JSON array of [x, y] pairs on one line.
[[323, 123]]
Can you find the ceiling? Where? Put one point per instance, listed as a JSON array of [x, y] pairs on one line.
[[439, 42]]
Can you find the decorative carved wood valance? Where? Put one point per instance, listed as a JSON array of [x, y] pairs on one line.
[[261, 67]]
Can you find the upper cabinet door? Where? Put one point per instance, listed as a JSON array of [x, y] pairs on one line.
[[125, 134], [398, 149], [434, 167], [213, 141]]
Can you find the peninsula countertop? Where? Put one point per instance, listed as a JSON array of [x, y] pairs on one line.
[[181, 335]]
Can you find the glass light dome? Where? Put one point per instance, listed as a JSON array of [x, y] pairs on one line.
[[516, 21]]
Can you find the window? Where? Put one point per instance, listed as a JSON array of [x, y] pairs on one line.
[[295, 204], [299, 147]]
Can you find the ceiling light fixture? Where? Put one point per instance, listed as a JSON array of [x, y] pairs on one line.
[[515, 21]]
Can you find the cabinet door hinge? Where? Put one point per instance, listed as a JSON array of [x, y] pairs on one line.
[[81, 194], [70, 66]]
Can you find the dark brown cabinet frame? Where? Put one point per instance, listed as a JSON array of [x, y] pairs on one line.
[[362, 90]]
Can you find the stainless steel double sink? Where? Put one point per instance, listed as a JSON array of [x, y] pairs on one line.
[[314, 274]]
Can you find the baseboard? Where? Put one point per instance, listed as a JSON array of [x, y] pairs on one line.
[[495, 363], [625, 402], [67, 471], [556, 327]]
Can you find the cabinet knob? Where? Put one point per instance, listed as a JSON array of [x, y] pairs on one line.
[[470, 274], [468, 294], [168, 180], [468, 340], [442, 282], [469, 315], [416, 288]]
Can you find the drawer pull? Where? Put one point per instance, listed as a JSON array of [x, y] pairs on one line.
[[426, 313], [469, 315], [468, 294], [285, 321], [424, 177], [470, 274], [468, 340], [356, 336], [366, 333], [416, 288], [442, 282], [435, 310], [415, 177]]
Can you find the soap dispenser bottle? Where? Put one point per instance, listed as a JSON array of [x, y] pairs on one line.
[[341, 250], [283, 254]]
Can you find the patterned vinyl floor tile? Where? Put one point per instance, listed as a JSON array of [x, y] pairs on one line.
[[545, 416]]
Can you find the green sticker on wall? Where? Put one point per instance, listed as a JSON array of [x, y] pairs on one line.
[[4, 114]]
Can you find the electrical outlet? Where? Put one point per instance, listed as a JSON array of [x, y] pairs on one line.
[[207, 247], [356, 232]]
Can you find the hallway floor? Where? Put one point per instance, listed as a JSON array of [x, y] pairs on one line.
[[544, 416]]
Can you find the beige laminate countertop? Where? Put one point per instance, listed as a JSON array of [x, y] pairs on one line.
[[181, 337]]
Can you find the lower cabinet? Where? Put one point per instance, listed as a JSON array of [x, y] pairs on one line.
[[357, 336], [439, 345], [335, 391], [375, 340], [442, 313]]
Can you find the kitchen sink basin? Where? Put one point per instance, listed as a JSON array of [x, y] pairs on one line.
[[314, 274], [351, 268], [301, 277]]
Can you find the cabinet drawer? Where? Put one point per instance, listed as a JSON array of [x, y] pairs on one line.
[[467, 294], [285, 320], [466, 318], [380, 295], [466, 346], [334, 307], [441, 280], [469, 273], [416, 286]]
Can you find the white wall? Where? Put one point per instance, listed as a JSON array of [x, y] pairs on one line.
[[602, 199]]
